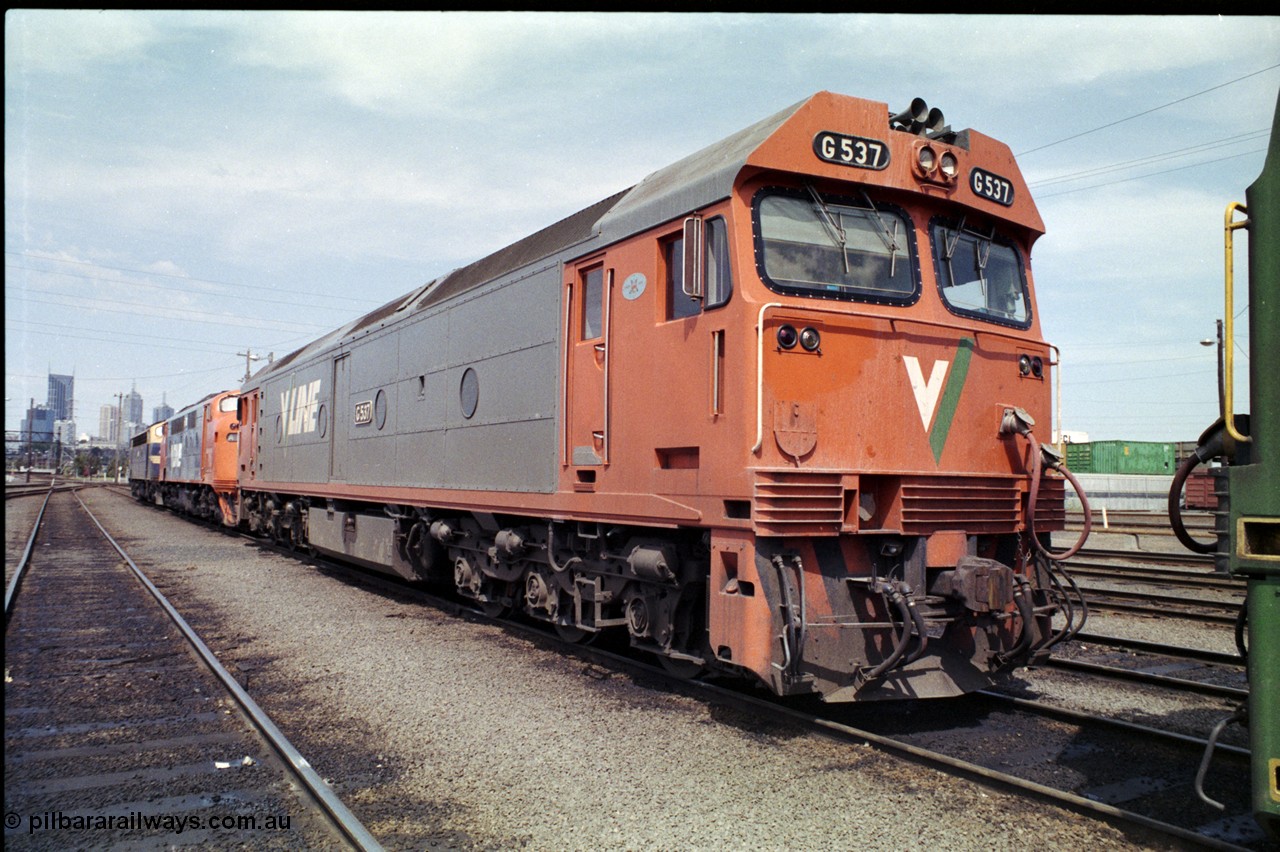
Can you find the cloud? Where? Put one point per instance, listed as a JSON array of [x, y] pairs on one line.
[[68, 41], [433, 62]]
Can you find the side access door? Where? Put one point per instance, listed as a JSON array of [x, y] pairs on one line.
[[587, 304]]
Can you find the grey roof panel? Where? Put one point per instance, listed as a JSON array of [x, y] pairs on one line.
[[698, 180]]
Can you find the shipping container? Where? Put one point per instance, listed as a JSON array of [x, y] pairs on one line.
[[1147, 458]]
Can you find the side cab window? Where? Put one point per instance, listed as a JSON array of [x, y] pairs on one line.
[[717, 278]]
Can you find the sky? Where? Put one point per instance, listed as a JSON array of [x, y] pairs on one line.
[[185, 187]]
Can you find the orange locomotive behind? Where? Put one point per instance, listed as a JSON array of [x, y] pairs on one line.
[[768, 412], [195, 454]]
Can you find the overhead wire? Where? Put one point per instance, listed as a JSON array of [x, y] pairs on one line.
[[1148, 111], [1154, 158]]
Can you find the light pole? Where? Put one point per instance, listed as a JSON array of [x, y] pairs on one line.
[[1209, 341], [248, 357], [119, 427], [31, 416]]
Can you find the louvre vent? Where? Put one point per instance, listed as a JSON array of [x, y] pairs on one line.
[[795, 503], [973, 504]]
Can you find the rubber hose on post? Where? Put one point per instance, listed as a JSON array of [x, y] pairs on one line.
[[1175, 508], [1036, 470]]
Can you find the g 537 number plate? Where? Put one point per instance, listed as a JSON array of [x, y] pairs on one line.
[[991, 187], [856, 151]]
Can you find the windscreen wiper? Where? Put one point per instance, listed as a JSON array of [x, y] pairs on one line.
[[890, 240], [831, 225]]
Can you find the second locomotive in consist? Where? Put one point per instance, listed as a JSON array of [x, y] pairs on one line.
[[188, 462], [768, 411]]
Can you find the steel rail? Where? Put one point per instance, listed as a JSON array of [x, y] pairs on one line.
[[938, 760], [1139, 676], [338, 812], [848, 733], [1171, 600], [1158, 648], [1156, 576], [1160, 612], [1107, 722], [1149, 556], [11, 592]]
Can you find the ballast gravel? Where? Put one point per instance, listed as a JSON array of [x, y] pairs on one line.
[[442, 732]]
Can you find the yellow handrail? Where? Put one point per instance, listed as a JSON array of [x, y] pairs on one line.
[[1228, 345]]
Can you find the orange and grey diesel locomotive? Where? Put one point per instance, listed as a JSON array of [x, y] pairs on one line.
[[768, 411], [188, 462]]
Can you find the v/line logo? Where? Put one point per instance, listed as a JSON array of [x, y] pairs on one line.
[[299, 407], [937, 397]]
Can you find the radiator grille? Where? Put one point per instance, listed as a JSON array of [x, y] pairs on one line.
[[972, 504], [795, 503]]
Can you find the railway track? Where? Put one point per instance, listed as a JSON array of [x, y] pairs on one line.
[[121, 728], [1093, 768], [1111, 769], [1158, 577], [1188, 561], [1195, 521], [1224, 612], [36, 489]]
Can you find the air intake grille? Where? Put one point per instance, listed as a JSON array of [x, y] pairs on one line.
[[972, 504], [793, 503]]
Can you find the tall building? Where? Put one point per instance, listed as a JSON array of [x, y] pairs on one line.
[[132, 412], [108, 428], [163, 411], [61, 396], [37, 427], [65, 431]]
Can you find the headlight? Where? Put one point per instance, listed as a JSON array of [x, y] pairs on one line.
[[810, 339], [1024, 365]]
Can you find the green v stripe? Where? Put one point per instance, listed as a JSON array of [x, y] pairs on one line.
[[950, 398]]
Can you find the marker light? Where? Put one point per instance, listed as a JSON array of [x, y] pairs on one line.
[[928, 160], [810, 339], [787, 337], [949, 165], [1037, 367]]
